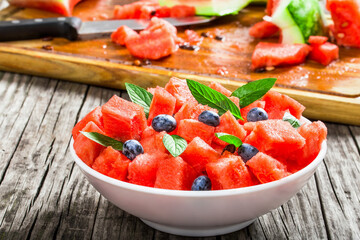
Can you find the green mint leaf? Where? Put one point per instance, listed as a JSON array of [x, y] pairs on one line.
[[139, 96], [231, 139], [253, 91], [175, 144], [292, 120], [104, 140], [214, 99]]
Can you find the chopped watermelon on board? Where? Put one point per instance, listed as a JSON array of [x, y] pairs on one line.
[[63, 7], [158, 40], [322, 51], [277, 54], [263, 29], [346, 17]]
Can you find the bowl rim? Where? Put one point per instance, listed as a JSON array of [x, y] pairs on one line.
[[200, 194]]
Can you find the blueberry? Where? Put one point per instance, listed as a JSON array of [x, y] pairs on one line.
[[256, 114], [163, 122], [230, 148], [247, 151], [132, 148], [201, 183], [209, 118]]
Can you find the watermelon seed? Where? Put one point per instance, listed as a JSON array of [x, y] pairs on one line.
[[219, 38], [230, 148], [205, 34], [189, 47]]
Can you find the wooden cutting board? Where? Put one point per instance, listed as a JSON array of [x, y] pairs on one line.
[[329, 93]]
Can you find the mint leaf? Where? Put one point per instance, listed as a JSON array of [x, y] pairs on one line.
[[231, 139], [139, 96], [175, 144], [104, 140], [292, 120], [253, 91], [207, 96]]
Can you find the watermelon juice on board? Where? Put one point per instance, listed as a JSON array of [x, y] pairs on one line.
[[189, 136]]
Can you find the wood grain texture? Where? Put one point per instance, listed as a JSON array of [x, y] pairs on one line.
[[101, 62], [43, 194]]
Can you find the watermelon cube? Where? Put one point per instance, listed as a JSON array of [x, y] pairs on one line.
[[162, 103], [174, 173], [276, 104], [179, 89], [122, 119], [276, 138], [229, 172], [191, 110], [229, 124], [121, 34], [86, 149], [198, 153], [112, 163], [266, 168], [190, 129], [142, 170], [218, 87], [314, 133], [150, 140], [94, 116]]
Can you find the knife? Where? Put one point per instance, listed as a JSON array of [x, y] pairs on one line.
[[73, 28]]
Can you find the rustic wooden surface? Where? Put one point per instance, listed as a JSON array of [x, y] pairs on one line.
[[101, 62], [43, 194]]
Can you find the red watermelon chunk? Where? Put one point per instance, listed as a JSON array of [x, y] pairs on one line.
[[123, 120], [263, 29], [64, 7], [179, 11], [276, 138], [278, 54], [244, 111], [229, 172], [158, 40], [322, 52], [87, 150], [142, 170], [162, 103], [94, 116], [314, 133], [266, 168], [218, 87], [175, 173], [179, 89], [276, 104], [112, 163], [229, 124], [346, 17], [198, 153], [190, 129], [191, 110], [123, 33], [150, 140]]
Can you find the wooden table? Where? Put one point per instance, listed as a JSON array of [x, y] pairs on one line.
[[44, 195]]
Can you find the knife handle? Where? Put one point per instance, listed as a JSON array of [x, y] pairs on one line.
[[66, 27]]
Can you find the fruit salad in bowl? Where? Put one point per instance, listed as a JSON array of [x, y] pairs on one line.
[[197, 160]]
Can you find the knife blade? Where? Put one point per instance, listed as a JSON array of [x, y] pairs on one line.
[[73, 28]]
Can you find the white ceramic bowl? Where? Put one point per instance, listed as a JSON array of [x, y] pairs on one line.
[[199, 213]]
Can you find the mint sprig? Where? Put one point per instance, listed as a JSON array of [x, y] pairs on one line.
[[214, 99], [231, 139], [253, 91], [139, 96], [175, 144], [104, 140], [292, 120]]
